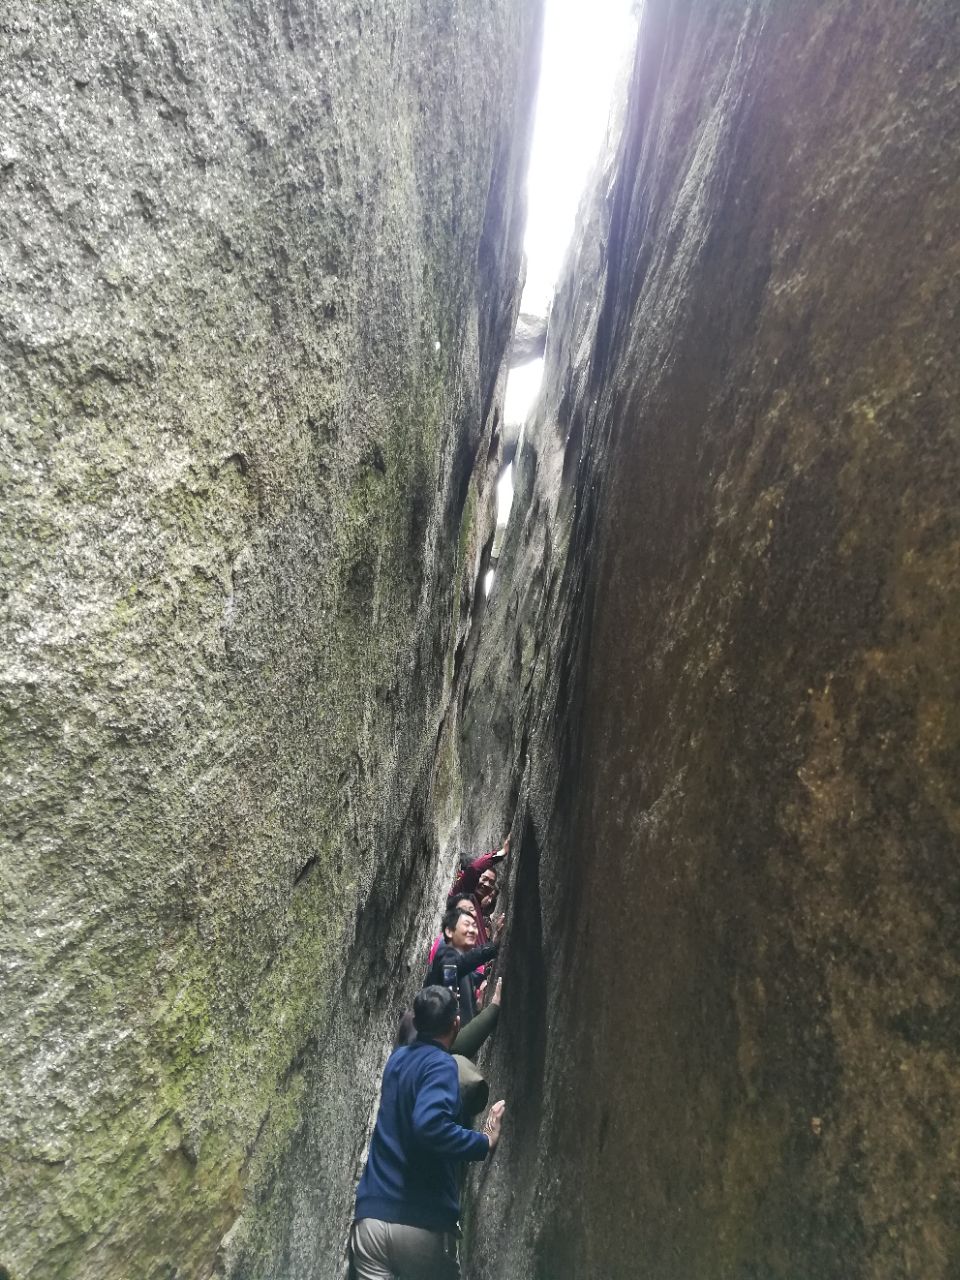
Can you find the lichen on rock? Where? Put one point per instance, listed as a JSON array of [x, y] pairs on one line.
[[260, 268]]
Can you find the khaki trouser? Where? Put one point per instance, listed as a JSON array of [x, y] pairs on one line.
[[389, 1251]]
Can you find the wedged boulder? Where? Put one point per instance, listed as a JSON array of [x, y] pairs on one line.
[[259, 272], [717, 682], [529, 339]]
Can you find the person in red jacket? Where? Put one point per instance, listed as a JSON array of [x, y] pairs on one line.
[[478, 881], [469, 878]]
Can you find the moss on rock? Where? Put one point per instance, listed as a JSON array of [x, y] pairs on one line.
[[235, 463]]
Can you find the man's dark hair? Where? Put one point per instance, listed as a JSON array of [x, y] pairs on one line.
[[454, 898], [434, 1011], [449, 921], [406, 1031]]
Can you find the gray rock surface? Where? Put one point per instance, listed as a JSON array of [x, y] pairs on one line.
[[717, 683], [258, 270], [529, 339]]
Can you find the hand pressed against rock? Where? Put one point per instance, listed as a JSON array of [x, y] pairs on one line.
[[491, 1126]]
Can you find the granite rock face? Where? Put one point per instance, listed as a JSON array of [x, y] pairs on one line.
[[529, 339], [717, 684], [258, 271]]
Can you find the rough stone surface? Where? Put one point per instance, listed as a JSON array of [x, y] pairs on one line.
[[529, 339], [258, 269], [718, 678]]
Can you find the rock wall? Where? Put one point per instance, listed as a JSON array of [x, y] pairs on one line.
[[717, 684], [258, 269]]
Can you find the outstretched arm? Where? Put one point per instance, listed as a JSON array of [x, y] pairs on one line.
[[434, 1117], [469, 877], [466, 961], [471, 1037]]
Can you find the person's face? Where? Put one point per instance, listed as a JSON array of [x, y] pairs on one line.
[[466, 904], [487, 883], [465, 934]]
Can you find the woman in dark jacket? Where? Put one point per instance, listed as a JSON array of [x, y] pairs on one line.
[[457, 959]]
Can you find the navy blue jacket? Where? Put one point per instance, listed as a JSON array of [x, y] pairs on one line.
[[411, 1173]]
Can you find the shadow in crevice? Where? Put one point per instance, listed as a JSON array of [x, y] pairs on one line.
[[523, 1036], [518, 1061]]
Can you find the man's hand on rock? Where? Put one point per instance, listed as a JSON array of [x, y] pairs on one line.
[[491, 1126]]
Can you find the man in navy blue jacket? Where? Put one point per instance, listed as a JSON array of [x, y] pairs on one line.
[[408, 1201]]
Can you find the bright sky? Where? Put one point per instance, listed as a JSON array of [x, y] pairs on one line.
[[582, 57], [584, 47]]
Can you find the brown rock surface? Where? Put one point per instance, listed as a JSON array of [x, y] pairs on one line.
[[721, 664]]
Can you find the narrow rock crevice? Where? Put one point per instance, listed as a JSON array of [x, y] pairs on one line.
[[261, 290]]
